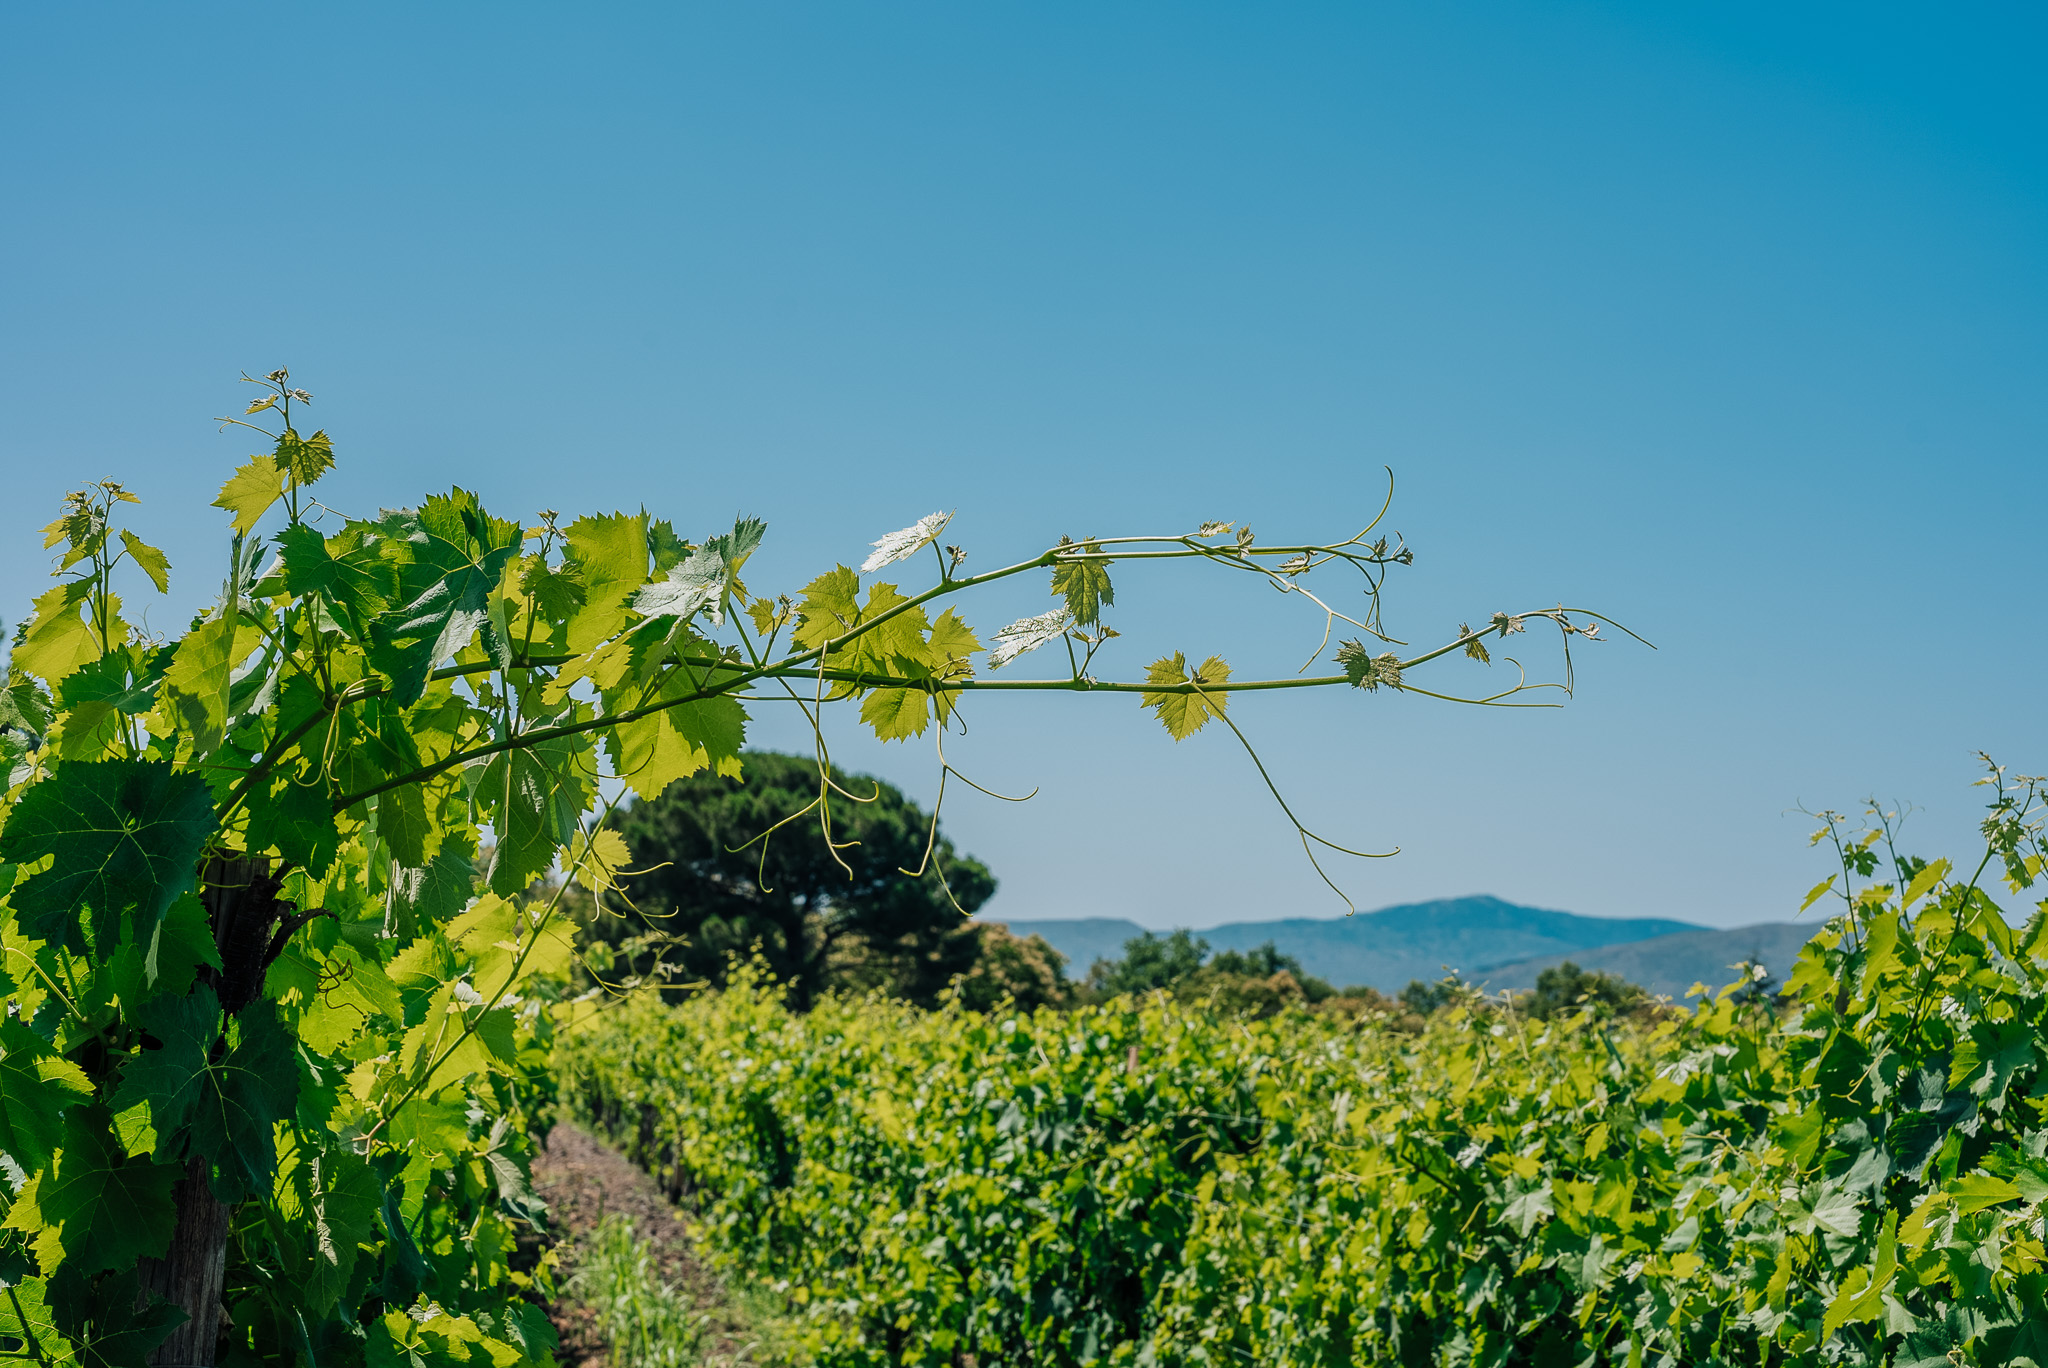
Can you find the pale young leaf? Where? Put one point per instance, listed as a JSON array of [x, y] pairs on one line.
[[1028, 634], [905, 543]]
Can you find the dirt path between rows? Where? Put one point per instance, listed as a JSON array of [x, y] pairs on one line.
[[582, 1180]]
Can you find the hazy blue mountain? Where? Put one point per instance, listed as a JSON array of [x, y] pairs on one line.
[[1673, 963], [1082, 941], [1385, 949]]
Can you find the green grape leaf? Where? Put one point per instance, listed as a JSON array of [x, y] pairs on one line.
[[557, 592], [898, 714], [535, 798], [609, 553], [121, 681], [26, 706], [432, 1127], [252, 1089], [769, 615], [426, 896], [442, 1050], [652, 752], [57, 639], [664, 546], [347, 571], [104, 1320], [715, 729], [25, 1314], [401, 823], [736, 546], [168, 1080], [459, 554], [250, 492], [346, 1196], [293, 816], [377, 743], [515, 1189], [1976, 1191], [303, 459], [903, 635], [92, 1209], [1475, 646], [1184, 714], [1860, 1297], [436, 1340], [829, 607], [195, 687], [153, 562], [1084, 584], [360, 987], [220, 1110], [952, 639], [125, 834], [36, 1085], [98, 694], [168, 961]]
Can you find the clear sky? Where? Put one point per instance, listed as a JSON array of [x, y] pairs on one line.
[[1728, 319]]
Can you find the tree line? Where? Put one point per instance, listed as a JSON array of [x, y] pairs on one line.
[[722, 874]]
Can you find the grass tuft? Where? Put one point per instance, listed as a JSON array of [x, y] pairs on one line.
[[647, 1322]]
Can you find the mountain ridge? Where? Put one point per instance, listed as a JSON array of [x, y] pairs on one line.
[[1481, 937]]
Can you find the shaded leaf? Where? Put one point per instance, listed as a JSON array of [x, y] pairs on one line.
[[303, 460], [1084, 584], [94, 1209], [126, 836], [1367, 671], [36, 1085]]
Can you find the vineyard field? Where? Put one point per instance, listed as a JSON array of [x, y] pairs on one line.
[[1856, 1177]]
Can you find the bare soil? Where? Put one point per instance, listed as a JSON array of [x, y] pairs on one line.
[[582, 1180]]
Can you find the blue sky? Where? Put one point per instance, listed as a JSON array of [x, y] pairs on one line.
[[1725, 319]]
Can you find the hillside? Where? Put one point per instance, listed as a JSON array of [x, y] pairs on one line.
[[1387, 948], [1671, 964]]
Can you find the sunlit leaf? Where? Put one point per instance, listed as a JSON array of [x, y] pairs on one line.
[[251, 491], [1185, 713], [153, 562], [1028, 634], [902, 545]]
